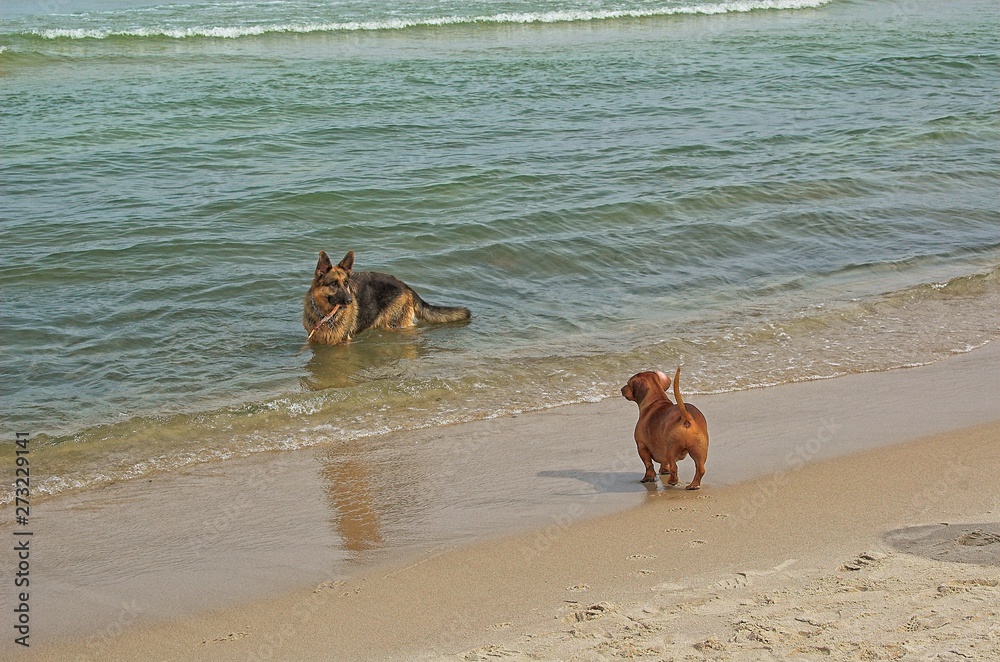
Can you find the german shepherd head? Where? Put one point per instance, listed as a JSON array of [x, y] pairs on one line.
[[330, 308], [330, 284], [342, 302]]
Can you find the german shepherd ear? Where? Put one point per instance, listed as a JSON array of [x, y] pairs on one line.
[[348, 262], [324, 264]]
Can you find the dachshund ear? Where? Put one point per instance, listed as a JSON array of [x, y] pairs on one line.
[[639, 389], [324, 264], [664, 380]]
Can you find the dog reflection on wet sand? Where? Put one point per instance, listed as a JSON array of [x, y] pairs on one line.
[[352, 494]]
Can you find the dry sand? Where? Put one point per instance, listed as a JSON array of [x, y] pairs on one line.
[[833, 557]]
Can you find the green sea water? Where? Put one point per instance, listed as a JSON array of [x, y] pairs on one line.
[[765, 192]]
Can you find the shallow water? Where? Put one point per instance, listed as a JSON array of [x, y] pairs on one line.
[[765, 192]]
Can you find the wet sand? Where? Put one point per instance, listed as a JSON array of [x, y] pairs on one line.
[[445, 540]]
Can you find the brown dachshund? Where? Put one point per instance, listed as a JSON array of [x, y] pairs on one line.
[[667, 432]]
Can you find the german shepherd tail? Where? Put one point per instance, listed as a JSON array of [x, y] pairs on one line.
[[688, 421], [426, 312]]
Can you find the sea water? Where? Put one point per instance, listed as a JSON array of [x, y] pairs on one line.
[[762, 191]]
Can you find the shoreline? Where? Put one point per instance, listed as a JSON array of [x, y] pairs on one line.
[[319, 526], [333, 387]]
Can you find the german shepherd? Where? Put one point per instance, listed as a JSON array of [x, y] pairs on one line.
[[342, 303]]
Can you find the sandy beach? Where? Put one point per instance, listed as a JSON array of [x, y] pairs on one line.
[[852, 518], [795, 200]]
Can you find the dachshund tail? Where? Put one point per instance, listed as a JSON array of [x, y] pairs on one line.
[[688, 420]]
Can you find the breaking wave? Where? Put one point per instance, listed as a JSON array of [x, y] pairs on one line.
[[566, 16]]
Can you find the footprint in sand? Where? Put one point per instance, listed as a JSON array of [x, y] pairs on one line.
[[593, 612], [978, 538], [490, 652], [966, 585], [864, 560], [326, 586], [739, 580], [958, 543], [232, 636]]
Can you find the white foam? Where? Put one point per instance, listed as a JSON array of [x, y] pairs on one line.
[[234, 32]]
